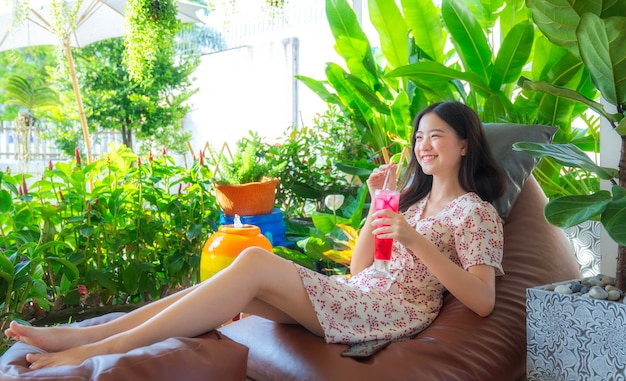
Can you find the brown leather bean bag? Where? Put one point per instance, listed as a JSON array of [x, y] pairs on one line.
[[211, 356], [459, 345]]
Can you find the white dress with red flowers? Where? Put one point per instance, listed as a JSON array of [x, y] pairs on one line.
[[363, 307]]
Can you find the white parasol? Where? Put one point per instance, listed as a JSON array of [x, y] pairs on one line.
[[95, 20]]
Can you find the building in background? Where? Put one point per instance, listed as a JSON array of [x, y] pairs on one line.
[[250, 84]]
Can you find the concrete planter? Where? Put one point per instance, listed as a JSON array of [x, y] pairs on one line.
[[571, 337], [585, 240]]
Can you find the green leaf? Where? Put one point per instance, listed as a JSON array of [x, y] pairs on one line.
[[513, 55], [116, 201], [354, 170], [6, 276], [422, 19], [305, 191], [5, 201], [351, 42], [295, 256], [468, 38], [392, 31], [431, 73], [559, 91], [603, 50], [621, 127], [326, 222], [347, 92], [319, 89], [614, 216], [566, 154], [495, 109], [314, 247], [571, 210], [104, 280], [24, 93], [401, 113], [368, 95], [50, 246], [6, 264], [356, 208], [558, 19], [130, 277], [69, 269], [194, 231]]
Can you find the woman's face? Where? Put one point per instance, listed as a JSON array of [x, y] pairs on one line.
[[437, 147]]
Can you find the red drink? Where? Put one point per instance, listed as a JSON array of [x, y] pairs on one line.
[[390, 200]]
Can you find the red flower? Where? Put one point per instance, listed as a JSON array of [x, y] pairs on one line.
[[201, 154], [50, 167], [138, 161], [24, 186], [77, 154], [150, 157], [82, 289], [163, 152]]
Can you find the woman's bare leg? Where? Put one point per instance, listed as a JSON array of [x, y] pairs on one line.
[[60, 338], [257, 279]]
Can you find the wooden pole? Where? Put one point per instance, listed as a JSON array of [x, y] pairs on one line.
[[79, 101]]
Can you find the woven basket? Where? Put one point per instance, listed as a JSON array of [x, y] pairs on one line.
[[251, 199]]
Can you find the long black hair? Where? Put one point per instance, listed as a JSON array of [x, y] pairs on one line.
[[479, 172]]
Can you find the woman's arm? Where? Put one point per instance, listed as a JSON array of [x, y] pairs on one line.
[[474, 287], [363, 252]]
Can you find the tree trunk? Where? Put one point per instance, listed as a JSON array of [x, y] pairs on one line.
[[620, 276], [127, 136]]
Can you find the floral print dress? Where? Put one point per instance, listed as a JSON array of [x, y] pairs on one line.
[[364, 307]]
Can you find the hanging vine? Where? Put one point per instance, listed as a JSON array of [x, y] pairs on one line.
[[151, 26]]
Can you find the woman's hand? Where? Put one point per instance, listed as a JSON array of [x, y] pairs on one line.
[[389, 224], [376, 179]]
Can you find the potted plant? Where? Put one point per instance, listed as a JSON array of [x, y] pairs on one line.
[[569, 336], [247, 181]]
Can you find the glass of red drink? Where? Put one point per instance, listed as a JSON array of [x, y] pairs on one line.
[[390, 200]]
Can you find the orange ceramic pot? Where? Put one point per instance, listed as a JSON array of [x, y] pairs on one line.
[[221, 249], [251, 199]]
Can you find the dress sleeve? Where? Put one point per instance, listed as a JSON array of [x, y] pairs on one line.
[[479, 238]]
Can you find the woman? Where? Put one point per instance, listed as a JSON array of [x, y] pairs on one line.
[[447, 236]]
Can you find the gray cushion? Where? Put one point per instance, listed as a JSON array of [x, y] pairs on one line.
[[517, 165], [211, 356]]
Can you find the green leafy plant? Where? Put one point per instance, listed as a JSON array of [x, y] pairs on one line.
[[315, 156], [249, 163], [152, 111], [326, 244], [125, 229], [30, 97], [152, 26], [595, 36], [380, 90]]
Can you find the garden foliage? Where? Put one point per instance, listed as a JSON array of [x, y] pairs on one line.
[[126, 229]]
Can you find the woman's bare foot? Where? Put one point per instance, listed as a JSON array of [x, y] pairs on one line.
[[47, 338], [73, 356]]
